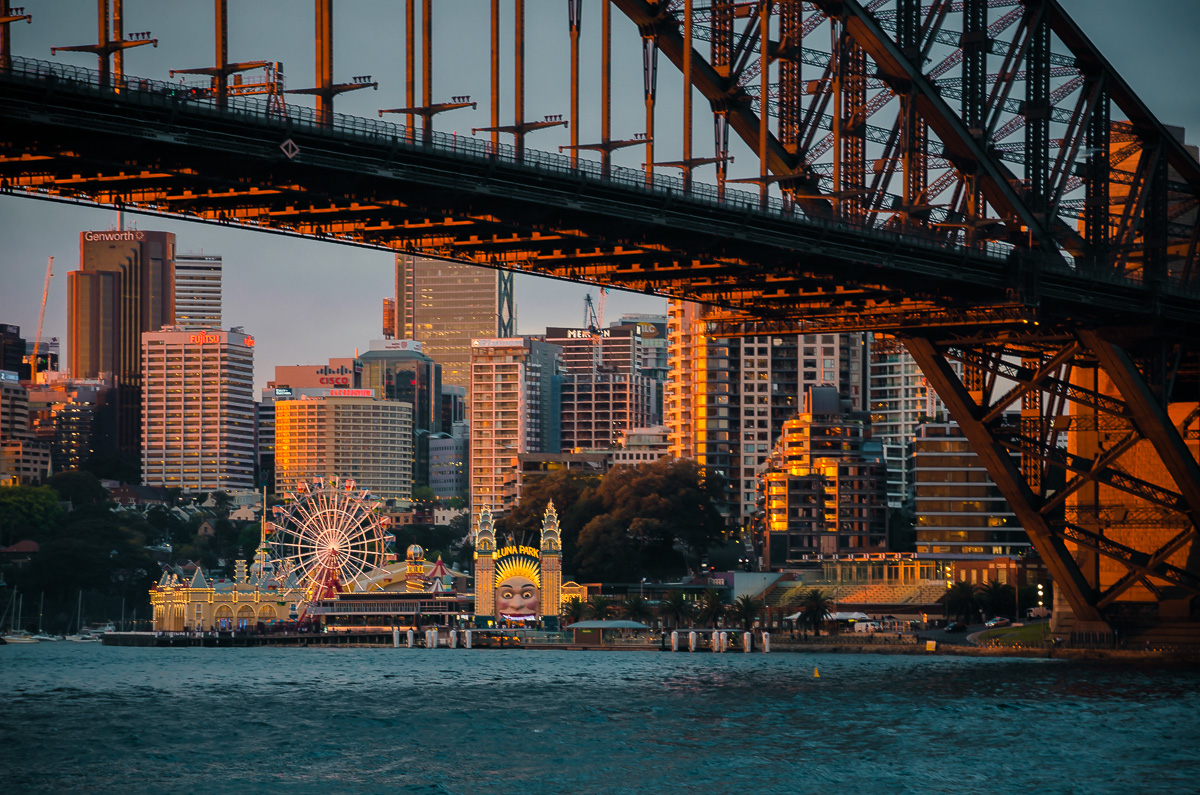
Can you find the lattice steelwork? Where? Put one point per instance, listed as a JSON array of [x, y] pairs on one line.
[[970, 176]]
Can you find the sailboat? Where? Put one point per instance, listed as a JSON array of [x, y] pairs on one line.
[[42, 635], [15, 633], [82, 634]]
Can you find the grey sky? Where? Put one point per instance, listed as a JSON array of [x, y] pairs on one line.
[[307, 301]]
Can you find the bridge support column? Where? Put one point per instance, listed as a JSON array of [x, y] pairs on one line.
[[1007, 476]]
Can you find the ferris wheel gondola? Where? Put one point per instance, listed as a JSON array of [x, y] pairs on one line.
[[329, 536]]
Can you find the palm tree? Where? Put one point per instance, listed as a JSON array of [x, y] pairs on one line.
[[600, 607], [814, 608], [746, 610], [995, 598], [675, 609], [635, 608], [711, 608], [574, 610], [961, 601]]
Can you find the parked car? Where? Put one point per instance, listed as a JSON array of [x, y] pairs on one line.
[[955, 626], [998, 621]]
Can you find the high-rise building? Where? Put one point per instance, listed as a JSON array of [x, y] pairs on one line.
[[599, 408], [198, 408], [75, 416], [12, 348], [125, 286], [445, 305], [399, 370], [344, 373], [616, 349], [23, 460], [514, 409], [959, 508], [824, 485], [900, 399], [728, 399], [447, 466], [348, 433], [198, 291]]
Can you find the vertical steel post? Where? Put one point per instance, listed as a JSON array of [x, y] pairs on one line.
[[102, 33], [650, 78], [519, 77], [687, 96], [5, 41], [118, 35], [605, 87], [495, 74], [221, 31], [427, 68], [1037, 113], [574, 13], [764, 116], [410, 62], [324, 61], [1096, 222]]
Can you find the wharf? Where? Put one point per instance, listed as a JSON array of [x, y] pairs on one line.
[[237, 639]]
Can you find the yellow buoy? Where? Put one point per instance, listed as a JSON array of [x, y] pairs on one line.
[[816, 673]]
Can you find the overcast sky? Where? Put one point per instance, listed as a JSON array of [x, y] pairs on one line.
[[307, 301]]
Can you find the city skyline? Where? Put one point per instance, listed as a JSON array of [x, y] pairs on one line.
[[336, 289]]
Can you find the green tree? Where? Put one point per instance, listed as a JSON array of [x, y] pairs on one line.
[[27, 512], [600, 607], [961, 601], [635, 608], [995, 598], [746, 610], [77, 487], [423, 494], [814, 607], [712, 609], [573, 610], [222, 503], [675, 610]]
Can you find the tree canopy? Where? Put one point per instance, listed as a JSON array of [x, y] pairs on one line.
[[652, 519]]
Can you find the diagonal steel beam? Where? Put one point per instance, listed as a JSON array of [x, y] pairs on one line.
[[1061, 565], [1150, 418], [1155, 566]]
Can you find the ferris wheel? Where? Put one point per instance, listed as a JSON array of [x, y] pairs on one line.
[[329, 536]]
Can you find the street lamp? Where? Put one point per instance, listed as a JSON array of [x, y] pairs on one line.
[[1041, 613]]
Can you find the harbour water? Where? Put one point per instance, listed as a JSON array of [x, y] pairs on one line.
[[83, 717]]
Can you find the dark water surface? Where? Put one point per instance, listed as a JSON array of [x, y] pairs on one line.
[[90, 718]]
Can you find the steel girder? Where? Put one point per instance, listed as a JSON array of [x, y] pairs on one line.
[[1125, 487]]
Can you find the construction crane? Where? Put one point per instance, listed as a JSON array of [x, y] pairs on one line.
[[37, 340], [590, 321]]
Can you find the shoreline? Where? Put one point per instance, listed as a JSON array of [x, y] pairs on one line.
[[381, 640]]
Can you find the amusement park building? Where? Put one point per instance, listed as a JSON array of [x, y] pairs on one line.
[[198, 409], [348, 432]]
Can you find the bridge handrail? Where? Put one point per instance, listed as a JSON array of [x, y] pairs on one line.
[[296, 117]]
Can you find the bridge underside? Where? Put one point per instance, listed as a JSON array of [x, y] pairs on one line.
[[1068, 353]]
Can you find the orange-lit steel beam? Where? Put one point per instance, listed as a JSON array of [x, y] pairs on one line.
[[687, 94], [519, 77], [575, 12], [650, 78], [8, 16], [495, 74], [605, 87], [764, 117], [427, 66], [221, 37], [410, 62], [105, 46], [324, 60]]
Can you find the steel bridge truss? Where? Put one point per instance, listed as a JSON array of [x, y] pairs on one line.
[[1075, 432], [971, 176]]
